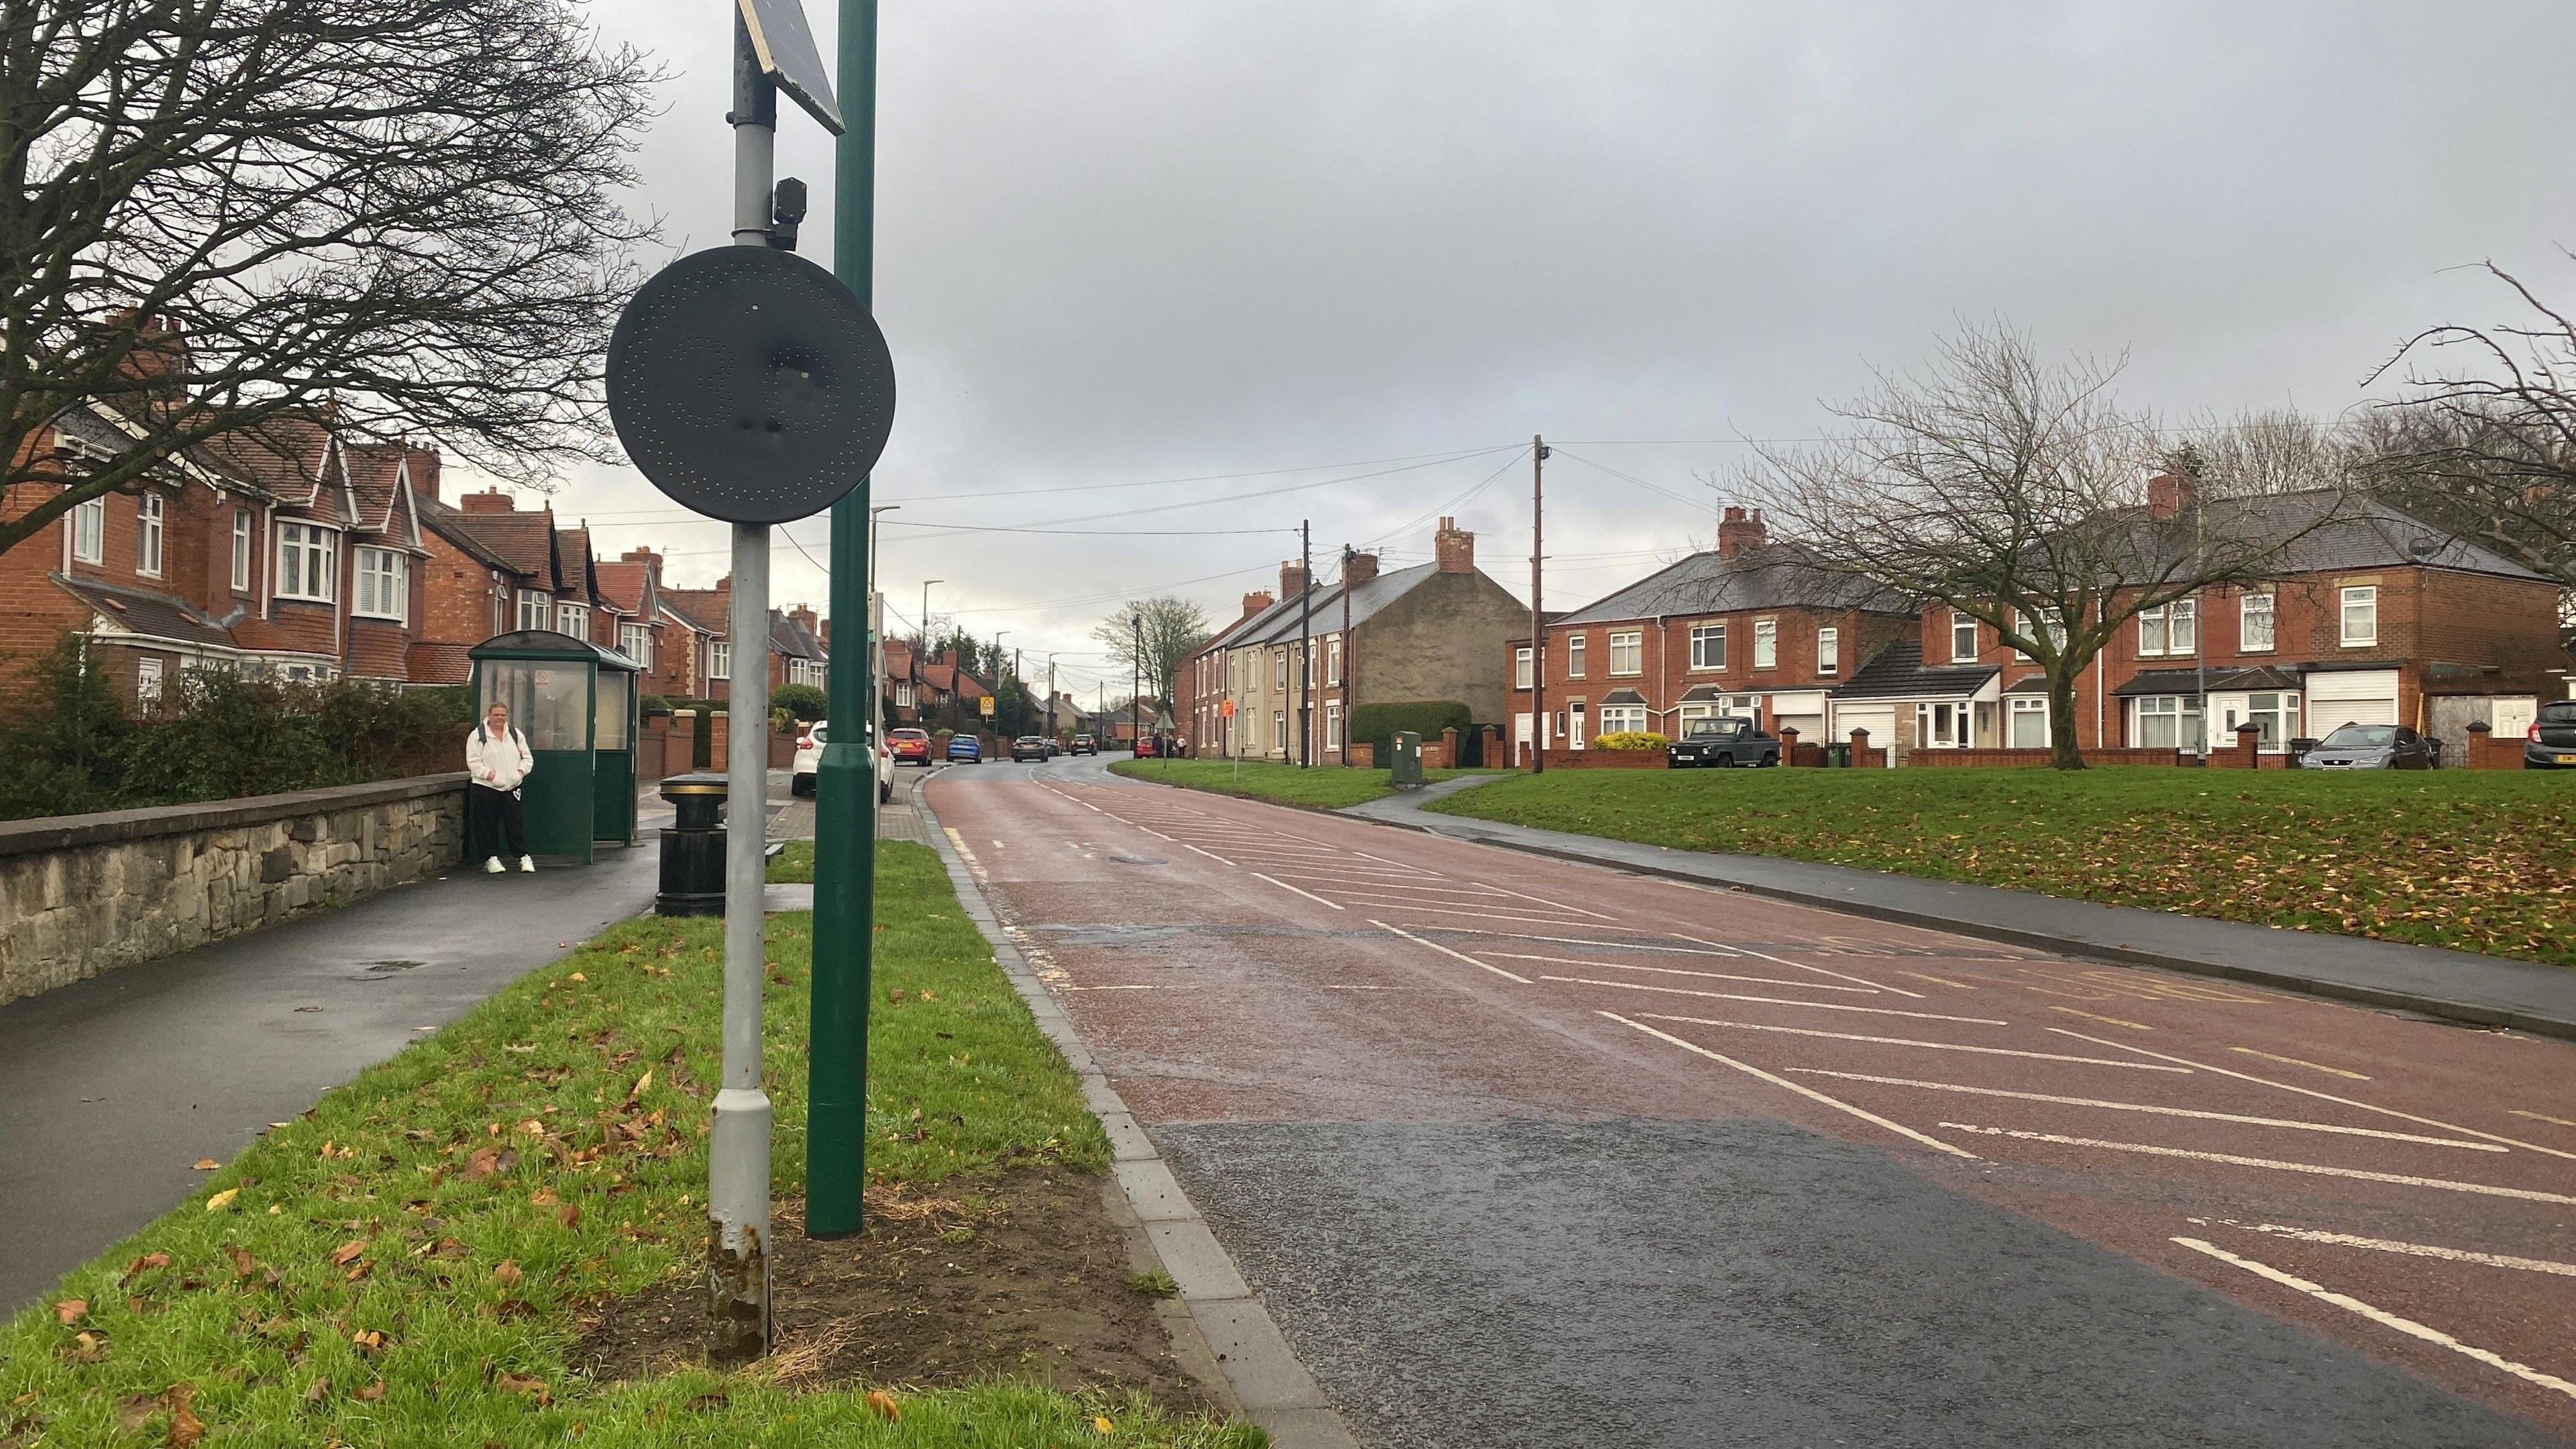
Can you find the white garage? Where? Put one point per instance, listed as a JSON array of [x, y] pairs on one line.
[[1877, 718], [2339, 697]]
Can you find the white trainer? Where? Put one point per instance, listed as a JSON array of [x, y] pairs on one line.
[[527, 863], [493, 866]]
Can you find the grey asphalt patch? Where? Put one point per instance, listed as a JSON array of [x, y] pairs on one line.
[[1652, 1283]]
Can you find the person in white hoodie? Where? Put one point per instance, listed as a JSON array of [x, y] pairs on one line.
[[498, 760]]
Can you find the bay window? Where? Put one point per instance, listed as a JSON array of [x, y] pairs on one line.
[[2275, 718], [635, 641], [536, 609], [304, 569], [2167, 722], [1623, 719], [573, 619], [384, 583]]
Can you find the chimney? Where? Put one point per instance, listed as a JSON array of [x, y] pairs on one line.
[[1739, 532], [423, 466], [2168, 495], [1292, 578], [157, 366], [651, 560], [1256, 601], [490, 500], [804, 614], [1358, 568], [1456, 548]]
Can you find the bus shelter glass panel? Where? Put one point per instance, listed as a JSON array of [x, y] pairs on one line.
[[549, 701], [612, 754]]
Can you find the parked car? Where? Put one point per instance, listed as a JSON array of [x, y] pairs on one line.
[[1145, 747], [963, 746], [1055, 747], [1085, 745], [2550, 743], [1726, 740], [1029, 748], [910, 746], [2372, 747], [809, 761]]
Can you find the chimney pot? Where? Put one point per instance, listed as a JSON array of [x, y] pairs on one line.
[[1737, 531], [1256, 601]]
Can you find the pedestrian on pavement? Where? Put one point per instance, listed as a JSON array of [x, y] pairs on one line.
[[498, 760]]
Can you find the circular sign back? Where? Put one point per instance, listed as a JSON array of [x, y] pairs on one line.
[[750, 385]]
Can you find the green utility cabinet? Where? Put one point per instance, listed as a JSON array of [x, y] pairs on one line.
[[1404, 771], [576, 703]]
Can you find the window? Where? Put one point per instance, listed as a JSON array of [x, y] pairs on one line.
[[1766, 643], [2185, 615], [720, 659], [241, 549], [804, 671], [1279, 729], [1520, 669], [2049, 624], [573, 619], [2151, 630], [2168, 722], [147, 682], [2172, 628], [384, 583], [1332, 724], [2254, 623], [1627, 652], [1963, 636], [1623, 719], [536, 610], [635, 641], [1708, 647], [1333, 660], [2027, 723], [1941, 726], [304, 562], [903, 694], [2275, 718], [1574, 646], [147, 534], [1829, 651], [1279, 668], [2361, 615], [89, 531]]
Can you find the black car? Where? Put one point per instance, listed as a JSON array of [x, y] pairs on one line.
[[1724, 741], [2372, 747], [2551, 742], [1029, 747], [1085, 745]]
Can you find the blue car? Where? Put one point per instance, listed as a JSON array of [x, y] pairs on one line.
[[967, 748]]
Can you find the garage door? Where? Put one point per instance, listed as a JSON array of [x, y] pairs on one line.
[[2361, 696], [1878, 719]]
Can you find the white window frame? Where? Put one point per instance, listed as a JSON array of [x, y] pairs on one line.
[[1766, 643], [1708, 648], [1576, 647], [1333, 660], [2365, 596], [635, 641], [2252, 607], [1623, 719], [1829, 651], [1521, 668], [151, 520], [903, 694], [1632, 642], [2020, 707], [2180, 709], [1942, 725], [2183, 626], [88, 524], [2153, 640], [2283, 718], [1279, 729], [573, 619], [147, 682], [536, 609], [391, 584], [1962, 621], [1279, 668], [720, 659], [1332, 724], [2051, 621], [243, 547], [315, 554]]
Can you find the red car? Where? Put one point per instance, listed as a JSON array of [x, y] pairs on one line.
[[1145, 748], [911, 747]]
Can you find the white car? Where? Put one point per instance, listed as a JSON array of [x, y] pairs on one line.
[[809, 760]]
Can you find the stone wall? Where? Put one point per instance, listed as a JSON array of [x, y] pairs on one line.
[[82, 894]]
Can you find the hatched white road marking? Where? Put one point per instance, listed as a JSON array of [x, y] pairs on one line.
[[1803, 966], [1594, 944], [1381, 883], [1678, 971], [1445, 951], [2313, 1169], [2157, 1110], [1490, 913], [2321, 1096], [2105, 1020], [2383, 1317], [2412, 1250], [1938, 1046], [2542, 1117], [1808, 1092], [2301, 1062], [1400, 865], [1285, 886], [1210, 854], [1775, 1000]]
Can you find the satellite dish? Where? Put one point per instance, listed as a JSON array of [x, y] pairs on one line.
[[749, 385]]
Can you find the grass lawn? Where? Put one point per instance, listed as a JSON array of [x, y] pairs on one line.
[[1328, 787], [793, 864], [2477, 860], [412, 1261]]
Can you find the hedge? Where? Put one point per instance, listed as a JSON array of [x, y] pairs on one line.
[[1378, 724]]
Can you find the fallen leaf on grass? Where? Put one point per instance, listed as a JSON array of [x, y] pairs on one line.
[[568, 1214], [70, 1311], [342, 1255], [185, 1428], [207, 1164], [243, 1263], [222, 1200], [544, 1197], [641, 1083], [528, 1384], [145, 1264], [132, 1411], [370, 1393], [88, 1347], [883, 1403], [319, 1390], [371, 1341], [577, 976], [508, 1274], [1101, 1423], [489, 1160]]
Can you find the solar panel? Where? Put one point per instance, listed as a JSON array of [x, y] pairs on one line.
[[791, 60]]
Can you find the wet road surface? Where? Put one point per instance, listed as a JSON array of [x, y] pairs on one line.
[[1518, 1149]]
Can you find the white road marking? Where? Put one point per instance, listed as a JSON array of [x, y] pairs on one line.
[[1158, 835], [1937, 980], [2105, 1020], [1188, 987], [1285, 886], [1553, 905], [1596, 944], [1679, 971], [2300, 1062], [1445, 951], [2541, 1117], [1400, 865], [1489, 913], [2383, 1317], [2412, 1250], [1803, 966], [1810, 1093], [1210, 854], [1380, 882], [1938, 1046], [1774, 1000], [2321, 1096], [2312, 1169], [2157, 1110]]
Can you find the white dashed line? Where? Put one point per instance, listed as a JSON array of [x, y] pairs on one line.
[[1803, 966], [1285, 886]]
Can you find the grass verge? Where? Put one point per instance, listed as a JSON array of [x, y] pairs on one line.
[[793, 864], [410, 1261], [1326, 787], [2474, 860]]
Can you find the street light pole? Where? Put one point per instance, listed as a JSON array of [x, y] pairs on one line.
[[1136, 686], [925, 615], [876, 635]]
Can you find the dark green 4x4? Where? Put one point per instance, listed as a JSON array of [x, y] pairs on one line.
[[1726, 740]]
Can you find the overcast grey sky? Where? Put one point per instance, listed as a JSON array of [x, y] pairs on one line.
[[1119, 243]]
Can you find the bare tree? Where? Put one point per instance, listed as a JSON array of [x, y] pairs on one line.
[[2485, 444], [1171, 629], [2016, 491], [216, 214]]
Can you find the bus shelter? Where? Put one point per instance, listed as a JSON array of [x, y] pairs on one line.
[[576, 703]]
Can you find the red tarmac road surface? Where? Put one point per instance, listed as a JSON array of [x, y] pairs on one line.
[[2404, 1186]]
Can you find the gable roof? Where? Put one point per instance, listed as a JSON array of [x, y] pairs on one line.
[[693, 607], [523, 542], [1772, 576], [626, 587], [1279, 622], [375, 472], [440, 519], [789, 636]]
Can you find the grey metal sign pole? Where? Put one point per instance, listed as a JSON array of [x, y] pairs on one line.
[[738, 1144]]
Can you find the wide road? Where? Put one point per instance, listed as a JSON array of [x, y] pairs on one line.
[[1521, 1151]]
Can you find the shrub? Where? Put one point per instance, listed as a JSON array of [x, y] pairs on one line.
[[1378, 724], [1630, 740], [63, 735], [799, 701]]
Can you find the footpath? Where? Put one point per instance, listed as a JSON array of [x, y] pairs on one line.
[[2453, 985]]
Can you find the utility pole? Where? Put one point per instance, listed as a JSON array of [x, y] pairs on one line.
[[845, 779], [1538, 619], [1050, 695], [1305, 644], [925, 615], [1350, 655], [1136, 684]]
